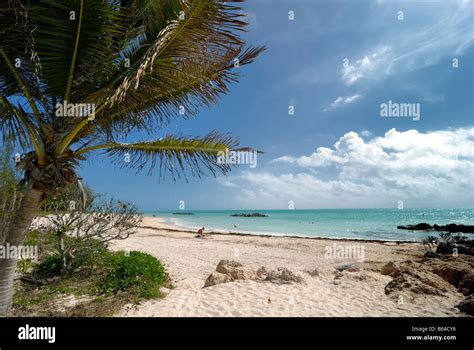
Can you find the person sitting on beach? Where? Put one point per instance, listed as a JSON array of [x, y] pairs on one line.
[[200, 233]]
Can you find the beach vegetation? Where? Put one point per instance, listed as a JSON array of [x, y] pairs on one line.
[[136, 270], [100, 286], [82, 236], [71, 197], [430, 243], [139, 64]]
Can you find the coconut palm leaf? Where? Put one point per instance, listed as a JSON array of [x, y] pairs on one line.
[[14, 131], [178, 95], [17, 127], [174, 154], [75, 42], [139, 62], [187, 66], [16, 44]]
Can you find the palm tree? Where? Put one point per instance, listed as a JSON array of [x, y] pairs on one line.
[[134, 65]]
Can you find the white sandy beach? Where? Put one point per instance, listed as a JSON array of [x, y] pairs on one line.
[[190, 261]]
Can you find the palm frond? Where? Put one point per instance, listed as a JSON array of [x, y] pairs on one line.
[[174, 154], [16, 43], [13, 130], [187, 66], [183, 56], [75, 42]]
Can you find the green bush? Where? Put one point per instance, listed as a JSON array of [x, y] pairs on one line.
[[50, 266], [135, 270]]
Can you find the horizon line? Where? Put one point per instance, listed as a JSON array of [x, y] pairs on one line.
[[364, 208]]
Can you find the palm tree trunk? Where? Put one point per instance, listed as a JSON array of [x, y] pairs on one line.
[[14, 237]]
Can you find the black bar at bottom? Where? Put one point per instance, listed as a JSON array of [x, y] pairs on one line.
[[447, 333]]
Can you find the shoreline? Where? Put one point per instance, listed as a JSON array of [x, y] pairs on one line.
[[177, 228], [325, 292]]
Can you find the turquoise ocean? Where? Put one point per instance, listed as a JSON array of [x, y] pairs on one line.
[[366, 224]]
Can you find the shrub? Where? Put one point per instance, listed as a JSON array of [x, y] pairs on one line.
[[450, 237], [24, 265], [135, 270], [50, 266], [83, 235], [430, 243]]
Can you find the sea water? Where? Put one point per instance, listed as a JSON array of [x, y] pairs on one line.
[[366, 224]]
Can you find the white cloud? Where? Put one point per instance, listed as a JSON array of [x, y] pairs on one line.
[[414, 48], [225, 182], [341, 101], [365, 66], [422, 169]]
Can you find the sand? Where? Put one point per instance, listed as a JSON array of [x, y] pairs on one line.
[[191, 260]]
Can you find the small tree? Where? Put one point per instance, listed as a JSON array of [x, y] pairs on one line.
[[83, 235], [73, 196], [92, 72]]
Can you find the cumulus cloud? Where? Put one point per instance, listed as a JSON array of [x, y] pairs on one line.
[[422, 169], [365, 133]]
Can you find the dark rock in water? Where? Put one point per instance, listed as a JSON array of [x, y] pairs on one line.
[[441, 228], [418, 227], [466, 285], [251, 215], [422, 226], [433, 255], [467, 305], [457, 228], [184, 213]]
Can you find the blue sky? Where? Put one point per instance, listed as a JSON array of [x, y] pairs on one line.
[[336, 63]]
